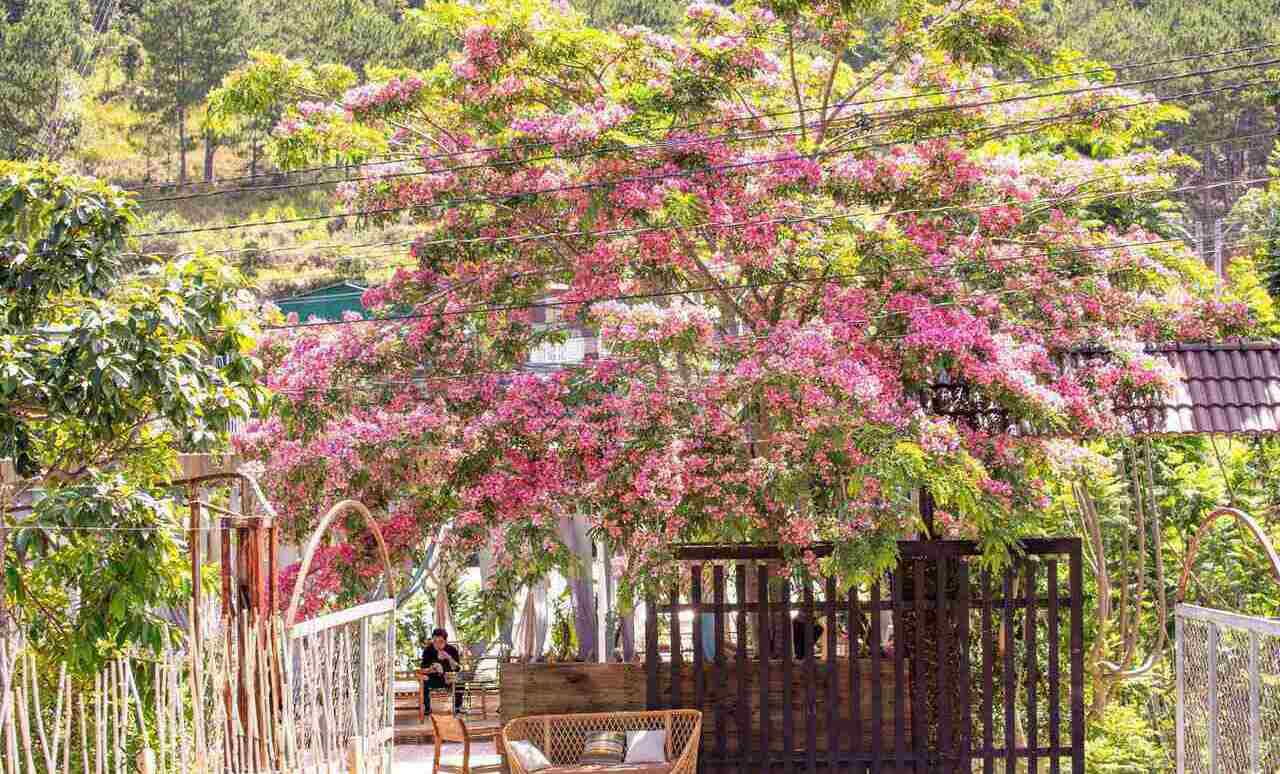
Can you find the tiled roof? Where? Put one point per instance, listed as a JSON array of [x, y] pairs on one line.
[[1223, 388]]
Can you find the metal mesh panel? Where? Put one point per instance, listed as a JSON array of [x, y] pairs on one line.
[[341, 690], [1229, 692]]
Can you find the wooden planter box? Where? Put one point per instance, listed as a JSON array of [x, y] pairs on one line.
[[570, 687], [558, 689]]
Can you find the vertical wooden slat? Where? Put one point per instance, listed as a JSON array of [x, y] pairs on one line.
[[744, 715], [764, 648], [855, 682], [651, 651], [809, 643], [833, 677], [788, 692], [1076, 581], [1010, 679], [966, 708], [899, 671], [1029, 639], [877, 689], [699, 678], [1055, 680], [919, 710], [945, 645], [988, 683], [676, 646], [717, 595]]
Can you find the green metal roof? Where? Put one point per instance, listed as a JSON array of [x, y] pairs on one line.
[[327, 303]]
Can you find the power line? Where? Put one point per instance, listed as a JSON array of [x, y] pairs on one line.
[[780, 132], [773, 114], [773, 221], [306, 247], [1030, 123], [721, 288]]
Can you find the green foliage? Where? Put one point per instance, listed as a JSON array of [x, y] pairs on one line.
[[353, 33], [37, 49], [1121, 31], [661, 15], [186, 60], [1123, 742], [108, 368]]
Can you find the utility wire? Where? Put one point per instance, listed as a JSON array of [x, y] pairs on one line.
[[756, 117], [709, 289], [1031, 125], [312, 247], [780, 132], [771, 221]]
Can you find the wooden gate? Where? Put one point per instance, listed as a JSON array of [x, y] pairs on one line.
[[339, 670], [940, 667]]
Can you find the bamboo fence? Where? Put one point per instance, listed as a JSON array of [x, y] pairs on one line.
[[226, 710]]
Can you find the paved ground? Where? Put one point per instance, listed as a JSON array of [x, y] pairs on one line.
[[416, 759]]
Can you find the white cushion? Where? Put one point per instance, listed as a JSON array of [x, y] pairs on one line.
[[530, 757], [647, 746]]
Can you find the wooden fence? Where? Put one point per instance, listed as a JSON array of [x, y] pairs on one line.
[[989, 672]]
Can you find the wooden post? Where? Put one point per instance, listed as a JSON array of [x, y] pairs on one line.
[[926, 513], [355, 755]]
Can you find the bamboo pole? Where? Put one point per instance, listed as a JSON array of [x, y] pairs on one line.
[[99, 722], [34, 680], [24, 720], [197, 692], [84, 737], [66, 739], [11, 732]]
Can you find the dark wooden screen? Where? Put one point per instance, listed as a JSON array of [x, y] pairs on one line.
[[984, 673]]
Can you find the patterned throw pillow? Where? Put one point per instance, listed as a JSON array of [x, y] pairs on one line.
[[604, 748], [647, 746], [531, 758]]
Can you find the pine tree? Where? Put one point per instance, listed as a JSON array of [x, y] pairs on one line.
[[39, 40], [189, 48]]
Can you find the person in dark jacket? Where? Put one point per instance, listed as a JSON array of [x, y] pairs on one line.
[[438, 658]]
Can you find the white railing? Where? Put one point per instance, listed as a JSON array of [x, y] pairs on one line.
[[1228, 680]]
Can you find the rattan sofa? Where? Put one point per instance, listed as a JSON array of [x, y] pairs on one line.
[[562, 738]]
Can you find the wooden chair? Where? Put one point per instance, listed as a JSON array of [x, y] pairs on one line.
[[452, 728], [410, 704]]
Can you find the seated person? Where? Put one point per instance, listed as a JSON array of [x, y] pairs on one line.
[[438, 658], [805, 634]]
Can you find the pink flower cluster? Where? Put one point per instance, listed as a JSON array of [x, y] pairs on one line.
[[376, 99]]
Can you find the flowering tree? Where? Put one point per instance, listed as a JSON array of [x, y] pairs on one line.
[[785, 228]]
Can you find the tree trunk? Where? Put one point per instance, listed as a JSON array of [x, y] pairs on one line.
[[182, 146], [210, 145]]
